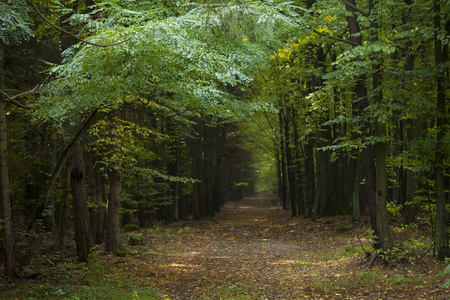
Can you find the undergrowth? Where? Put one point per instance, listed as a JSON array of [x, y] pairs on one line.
[[59, 277]]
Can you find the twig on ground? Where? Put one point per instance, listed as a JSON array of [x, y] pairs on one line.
[[370, 265], [423, 255], [361, 244]]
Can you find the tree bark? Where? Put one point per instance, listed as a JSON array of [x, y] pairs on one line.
[[409, 191], [356, 186], [96, 194], [441, 57], [63, 211], [316, 201], [282, 157], [367, 190], [80, 208], [8, 236], [384, 233], [112, 239], [196, 156], [290, 164]]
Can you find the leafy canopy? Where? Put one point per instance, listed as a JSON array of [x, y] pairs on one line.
[[185, 62]]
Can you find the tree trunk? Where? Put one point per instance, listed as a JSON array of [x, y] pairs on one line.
[[367, 190], [410, 204], [297, 164], [101, 198], [92, 186], [441, 58], [63, 211], [176, 186], [282, 157], [356, 186], [384, 233], [290, 165], [112, 239], [195, 174], [309, 178], [8, 236], [409, 191], [80, 208], [316, 201]]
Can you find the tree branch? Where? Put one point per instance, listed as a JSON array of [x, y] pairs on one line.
[[71, 34], [321, 33], [356, 8], [63, 157], [17, 103], [333, 37]]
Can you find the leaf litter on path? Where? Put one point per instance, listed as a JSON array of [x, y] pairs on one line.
[[252, 249]]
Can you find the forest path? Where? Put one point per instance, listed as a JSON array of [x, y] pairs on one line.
[[252, 249]]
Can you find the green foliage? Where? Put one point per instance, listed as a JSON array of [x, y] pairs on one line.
[[446, 285], [49, 267], [183, 57], [65, 278], [369, 277], [14, 23], [120, 253], [136, 239], [121, 140], [129, 227], [394, 209]]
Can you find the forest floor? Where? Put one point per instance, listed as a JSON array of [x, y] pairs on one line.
[[252, 249]]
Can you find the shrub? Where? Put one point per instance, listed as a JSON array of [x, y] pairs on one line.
[[130, 227], [136, 239]]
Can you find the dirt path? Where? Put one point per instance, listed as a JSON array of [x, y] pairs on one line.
[[253, 250], [241, 252]]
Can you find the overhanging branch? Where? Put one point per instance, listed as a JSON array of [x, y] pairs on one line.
[[71, 34]]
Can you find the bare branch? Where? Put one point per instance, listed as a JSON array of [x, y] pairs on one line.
[[71, 34], [13, 101]]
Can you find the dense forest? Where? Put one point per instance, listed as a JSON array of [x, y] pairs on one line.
[[124, 112]]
